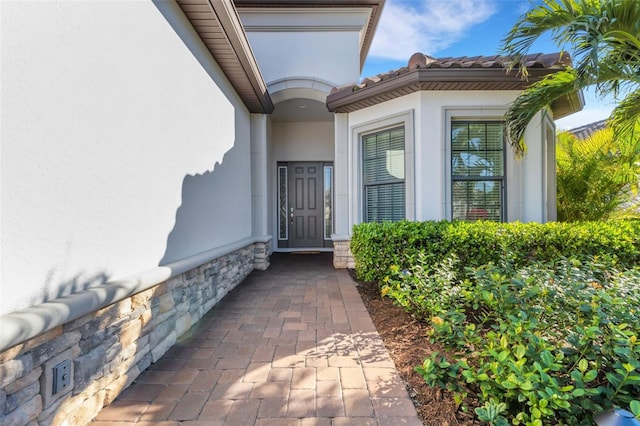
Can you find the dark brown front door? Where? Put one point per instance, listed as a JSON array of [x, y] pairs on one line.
[[305, 205]]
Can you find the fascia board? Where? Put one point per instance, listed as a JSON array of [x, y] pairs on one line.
[[230, 22]]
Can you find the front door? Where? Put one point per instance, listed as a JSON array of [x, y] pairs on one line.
[[307, 202], [305, 205]]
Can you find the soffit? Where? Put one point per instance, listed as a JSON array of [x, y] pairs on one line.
[[218, 26], [301, 110], [462, 73], [375, 7]]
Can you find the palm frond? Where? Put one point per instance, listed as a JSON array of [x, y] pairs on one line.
[[625, 118], [533, 99], [597, 176]]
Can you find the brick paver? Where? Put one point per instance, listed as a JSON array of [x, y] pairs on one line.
[[293, 345]]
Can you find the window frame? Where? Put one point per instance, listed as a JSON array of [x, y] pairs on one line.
[[404, 119], [382, 182], [472, 115]]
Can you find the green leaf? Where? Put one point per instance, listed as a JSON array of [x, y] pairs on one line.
[[590, 376], [578, 392], [482, 376], [527, 385], [503, 342], [635, 408], [520, 351], [507, 384], [501, 421], [535, 413], [583, 365]]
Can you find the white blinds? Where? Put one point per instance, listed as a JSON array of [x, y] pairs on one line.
[[477, 170], [383, 175]]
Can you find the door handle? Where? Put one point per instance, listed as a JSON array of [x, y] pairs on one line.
[[291, 215]]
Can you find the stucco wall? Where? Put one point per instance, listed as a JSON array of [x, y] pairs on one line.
[[321, 43], [123, 146], [312, 141], [429, 109], [333, 57]]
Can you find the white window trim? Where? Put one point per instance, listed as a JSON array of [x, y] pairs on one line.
[[549, 213], [404, 119], [471, 114]]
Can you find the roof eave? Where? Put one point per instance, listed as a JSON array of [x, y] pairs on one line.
[[232, 52], [440, 79], [568, 104]]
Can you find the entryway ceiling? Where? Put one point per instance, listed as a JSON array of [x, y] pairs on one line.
[[301, 110]]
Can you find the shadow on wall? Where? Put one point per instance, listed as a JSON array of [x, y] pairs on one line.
[[210, 207], [74, 285], [216, 205]]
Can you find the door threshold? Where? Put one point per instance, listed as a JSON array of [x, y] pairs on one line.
[[304, 250]]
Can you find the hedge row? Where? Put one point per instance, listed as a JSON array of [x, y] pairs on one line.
[[378, 246]]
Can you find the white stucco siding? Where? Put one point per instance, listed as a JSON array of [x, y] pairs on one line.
[[532, 184], [320, 43], [433, 112], [294, 141], [329, 56], [122, 147]]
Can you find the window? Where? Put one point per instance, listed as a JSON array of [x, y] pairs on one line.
[[328, 202], [383, 171], [283, 202], [477, 170]]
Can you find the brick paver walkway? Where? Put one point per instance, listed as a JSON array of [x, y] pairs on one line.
[[293, 345]]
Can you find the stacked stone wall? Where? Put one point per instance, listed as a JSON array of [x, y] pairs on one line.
[[109, 348], [342, 257]]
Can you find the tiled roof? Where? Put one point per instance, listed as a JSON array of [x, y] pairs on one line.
[[422, 61], [587, 130], [462, 73]]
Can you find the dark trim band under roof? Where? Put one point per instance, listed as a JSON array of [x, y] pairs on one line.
[[463, 73]]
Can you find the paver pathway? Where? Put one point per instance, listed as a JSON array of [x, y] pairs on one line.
[[293, 345]]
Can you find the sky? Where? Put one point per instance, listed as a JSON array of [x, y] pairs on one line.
[[442, 28]]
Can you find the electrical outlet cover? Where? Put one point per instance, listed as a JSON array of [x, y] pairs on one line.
[[61, 377], [64, 384]]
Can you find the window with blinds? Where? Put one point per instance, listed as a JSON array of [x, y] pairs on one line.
[[383, 175], [477, 170]]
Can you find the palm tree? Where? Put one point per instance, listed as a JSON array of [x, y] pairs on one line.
[[597, 177], [604, 38]]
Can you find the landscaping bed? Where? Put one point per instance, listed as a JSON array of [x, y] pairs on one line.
[[406, 339], [505, 329]]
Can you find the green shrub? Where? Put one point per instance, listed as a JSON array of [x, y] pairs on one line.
[[378, 246], [540, 322], [547, 343]]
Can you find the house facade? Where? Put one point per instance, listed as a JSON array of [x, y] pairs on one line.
[[155, 153]]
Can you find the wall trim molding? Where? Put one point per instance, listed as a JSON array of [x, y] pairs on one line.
[[24, 324]]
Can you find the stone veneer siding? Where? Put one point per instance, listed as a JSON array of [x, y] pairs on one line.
[[342, 257], [109, 348]]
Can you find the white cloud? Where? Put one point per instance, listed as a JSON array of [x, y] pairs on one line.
[[425, 26]]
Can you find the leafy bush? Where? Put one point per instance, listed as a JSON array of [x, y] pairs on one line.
[[540, 322], [549, 342], [378, 246], [597, 176]]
